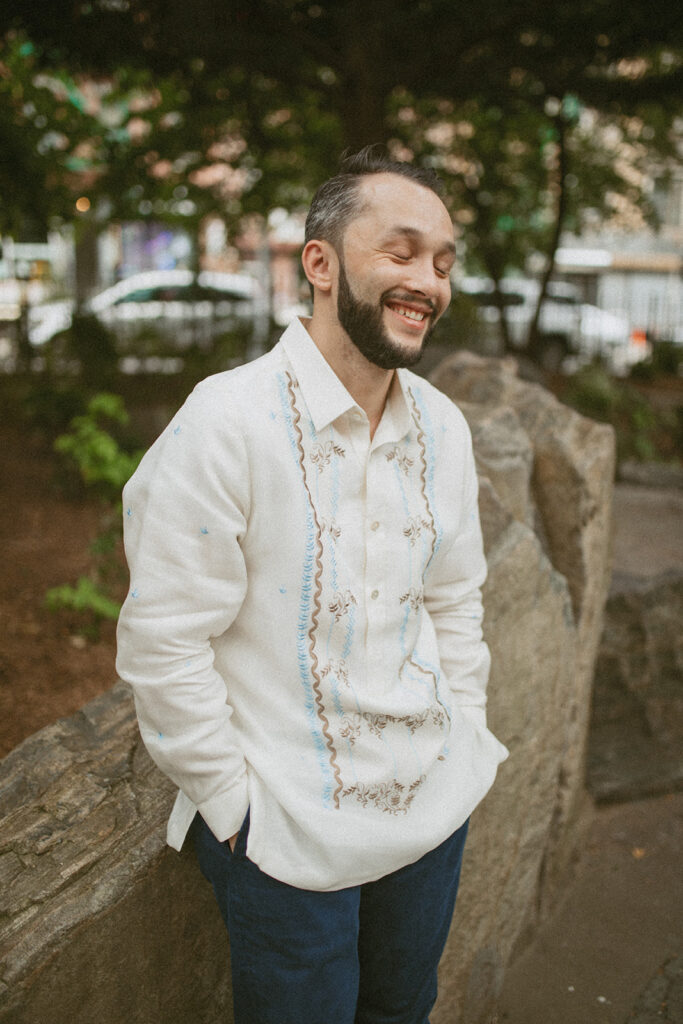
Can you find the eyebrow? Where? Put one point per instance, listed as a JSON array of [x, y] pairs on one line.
[[415, 233]]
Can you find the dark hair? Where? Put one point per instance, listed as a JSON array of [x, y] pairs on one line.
[[336, 201]]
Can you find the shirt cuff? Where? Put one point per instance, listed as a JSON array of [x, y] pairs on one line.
[[225, 813]]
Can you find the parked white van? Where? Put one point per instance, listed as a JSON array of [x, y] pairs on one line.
[[571, 332]]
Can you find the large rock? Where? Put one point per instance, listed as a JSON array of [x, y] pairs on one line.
[[637, 720], [548, 553], [102, 922], [95, 910]]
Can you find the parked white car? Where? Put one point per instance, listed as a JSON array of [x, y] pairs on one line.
[[571, 332], [173, 306]]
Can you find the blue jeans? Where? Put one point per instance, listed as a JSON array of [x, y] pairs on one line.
[[362, 955]]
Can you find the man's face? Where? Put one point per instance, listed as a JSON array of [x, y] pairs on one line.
[[394, 267]]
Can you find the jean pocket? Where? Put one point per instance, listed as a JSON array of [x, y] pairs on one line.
[[240, 848]]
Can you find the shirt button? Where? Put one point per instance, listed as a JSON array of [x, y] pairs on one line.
[[375, 525], [374, 595]]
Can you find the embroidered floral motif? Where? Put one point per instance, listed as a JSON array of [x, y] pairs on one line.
[[350, 729], [390, 797], [330, 526], [439, 716], [415, 596], [321, 454], [338, 669], [377, 722], [341, 604], [402, 458], [414, 528], [415, 721]]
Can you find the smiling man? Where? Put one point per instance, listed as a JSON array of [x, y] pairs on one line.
[[303, 629]]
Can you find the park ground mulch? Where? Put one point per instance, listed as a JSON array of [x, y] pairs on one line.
[[48, 669]]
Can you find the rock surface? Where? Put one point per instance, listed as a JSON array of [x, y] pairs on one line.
[[637, 721], [100, 922], [90, 891], [548, 543]]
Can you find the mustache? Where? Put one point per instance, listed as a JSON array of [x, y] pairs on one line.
[[412, 297]]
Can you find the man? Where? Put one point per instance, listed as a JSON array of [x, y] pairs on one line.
[[303, 628]]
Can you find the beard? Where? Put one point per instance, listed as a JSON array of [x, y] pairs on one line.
[[364, 324]]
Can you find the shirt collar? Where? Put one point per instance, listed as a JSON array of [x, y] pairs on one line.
[[325, 395]]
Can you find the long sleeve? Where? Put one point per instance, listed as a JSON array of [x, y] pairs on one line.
[[185, 512], [453, 593]]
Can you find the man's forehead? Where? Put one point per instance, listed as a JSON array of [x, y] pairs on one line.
[[401, 202], [387, 185]]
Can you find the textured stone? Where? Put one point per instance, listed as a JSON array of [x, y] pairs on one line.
[[94, 891], [662, 999], [544, 600], [637, 719], [99, 921]]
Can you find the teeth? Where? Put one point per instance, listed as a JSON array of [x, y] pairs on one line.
[[412, 314]]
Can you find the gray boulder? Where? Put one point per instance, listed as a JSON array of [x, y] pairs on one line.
[[637, 720], [548, 548]]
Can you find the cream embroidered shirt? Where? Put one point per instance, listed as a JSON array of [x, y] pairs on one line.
[[303, 627]]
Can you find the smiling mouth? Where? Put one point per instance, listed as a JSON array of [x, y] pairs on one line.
[[411, 313]]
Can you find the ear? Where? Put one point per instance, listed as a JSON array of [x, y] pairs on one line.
[[319, 261]]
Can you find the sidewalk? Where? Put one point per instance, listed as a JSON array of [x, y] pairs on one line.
[[602, 959], [613, 953]]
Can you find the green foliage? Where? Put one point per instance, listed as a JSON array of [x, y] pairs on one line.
[[643, 432], [103, 467], [180, 116], [542, 118], [50, 406], [102, 464], [42, 130], [461, 327], [87, 600], [667, 358], [592, 392]]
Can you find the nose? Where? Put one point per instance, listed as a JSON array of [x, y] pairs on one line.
[[423, 279]]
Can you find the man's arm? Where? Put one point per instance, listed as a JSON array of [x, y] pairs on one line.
[[185, 512], [453, 592]]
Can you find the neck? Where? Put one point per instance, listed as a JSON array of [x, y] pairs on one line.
[[367, 383]]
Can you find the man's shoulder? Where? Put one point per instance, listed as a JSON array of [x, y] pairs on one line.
[[244, 387], [432, 401]]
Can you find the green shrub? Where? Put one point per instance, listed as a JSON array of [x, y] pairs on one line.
[[643, 432], [103, 467], [94, 453], [50, 407], [87, 600], [665, 360]]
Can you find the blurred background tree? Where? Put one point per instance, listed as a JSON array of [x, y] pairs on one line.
[[537, 115]]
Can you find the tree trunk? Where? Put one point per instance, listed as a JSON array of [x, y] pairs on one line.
[[503, 325], [560, 213], [87, 262], [364, 85]]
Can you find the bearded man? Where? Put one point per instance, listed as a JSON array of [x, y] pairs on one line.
[[303, 631]]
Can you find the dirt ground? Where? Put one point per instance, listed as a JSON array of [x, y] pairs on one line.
[[47, 669], [604, 957]]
